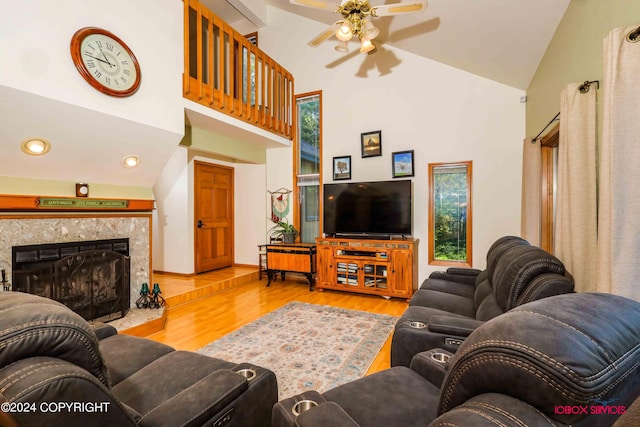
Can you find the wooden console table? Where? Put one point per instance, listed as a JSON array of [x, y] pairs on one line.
[[293, 257]]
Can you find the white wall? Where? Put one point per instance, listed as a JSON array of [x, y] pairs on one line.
[[173, 239], [35, 37], [172, 224], [91, 133], [442, 113], [250, 191]]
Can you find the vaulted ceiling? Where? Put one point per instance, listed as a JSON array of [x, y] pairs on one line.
[[503, 40]]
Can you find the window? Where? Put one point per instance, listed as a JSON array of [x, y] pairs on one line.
[[307, 164], [450, 214]]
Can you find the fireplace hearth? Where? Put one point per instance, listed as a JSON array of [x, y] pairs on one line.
[[91, 277]]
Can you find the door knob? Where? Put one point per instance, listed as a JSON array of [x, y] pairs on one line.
[[200, 224]]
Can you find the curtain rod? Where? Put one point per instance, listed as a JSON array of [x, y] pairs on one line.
[[583, 88], [634, 35], [533, 141]]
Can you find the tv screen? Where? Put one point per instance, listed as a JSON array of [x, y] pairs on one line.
[[367, 208]]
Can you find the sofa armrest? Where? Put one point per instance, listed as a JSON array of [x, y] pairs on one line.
[[456, 274], [492, 409], [102, 330], [432, 365], [457, 326], [463, 271], [200, 403], [328, 414]]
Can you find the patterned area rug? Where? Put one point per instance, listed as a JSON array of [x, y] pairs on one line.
[[308, 346]]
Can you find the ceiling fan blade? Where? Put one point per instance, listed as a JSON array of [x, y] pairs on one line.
[[398, 8], [324, 35], [316, 4]]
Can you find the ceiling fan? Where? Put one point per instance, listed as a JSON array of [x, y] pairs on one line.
[[357, 20]]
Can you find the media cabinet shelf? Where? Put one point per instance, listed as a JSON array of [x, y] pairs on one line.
[[378, 267]]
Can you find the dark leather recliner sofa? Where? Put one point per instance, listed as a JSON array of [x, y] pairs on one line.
[[570, 359], [51, 357], [450, 305]]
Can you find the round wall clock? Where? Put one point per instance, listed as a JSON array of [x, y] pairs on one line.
[[105, 61]]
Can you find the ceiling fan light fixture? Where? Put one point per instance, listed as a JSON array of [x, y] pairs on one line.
[[366, 46], [370, 30], [345, 32], [342, 46]]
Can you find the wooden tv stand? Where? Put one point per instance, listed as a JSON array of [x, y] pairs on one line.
[[388, 268]]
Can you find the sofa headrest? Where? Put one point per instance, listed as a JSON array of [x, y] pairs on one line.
[[546, 285], [566, 351], [32, 326], [498, 248], [515, 270]]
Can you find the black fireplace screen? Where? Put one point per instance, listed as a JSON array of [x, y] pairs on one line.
[[91, 278]]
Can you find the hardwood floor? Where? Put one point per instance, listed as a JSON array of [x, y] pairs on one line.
[[194, 324]]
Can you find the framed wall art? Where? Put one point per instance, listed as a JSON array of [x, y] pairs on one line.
[[341, 168], [402, 164], [371, 143]]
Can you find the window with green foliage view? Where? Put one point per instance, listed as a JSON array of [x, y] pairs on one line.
[[307, 164], [450, 213]]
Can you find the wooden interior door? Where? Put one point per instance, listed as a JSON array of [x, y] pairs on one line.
[[213, 216]]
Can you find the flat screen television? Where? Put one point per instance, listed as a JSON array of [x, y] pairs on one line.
[[367, 209]]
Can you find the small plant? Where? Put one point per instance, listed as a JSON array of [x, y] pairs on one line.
[[283, 230]]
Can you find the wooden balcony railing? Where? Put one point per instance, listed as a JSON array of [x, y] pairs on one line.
[[225, 71]]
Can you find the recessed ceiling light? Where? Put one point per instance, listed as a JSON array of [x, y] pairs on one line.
[[35, 146], [131, 161]]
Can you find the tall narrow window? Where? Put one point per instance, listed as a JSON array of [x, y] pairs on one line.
[[450, 214], [307, 145]]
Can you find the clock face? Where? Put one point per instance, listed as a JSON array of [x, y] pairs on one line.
[[105, 62], [82, 190]]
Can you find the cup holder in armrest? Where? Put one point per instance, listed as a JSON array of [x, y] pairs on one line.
[[302, 406], [418, 325], [249, 374], [440, 357]]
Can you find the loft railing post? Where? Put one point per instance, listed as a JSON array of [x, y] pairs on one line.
[[233, 75]]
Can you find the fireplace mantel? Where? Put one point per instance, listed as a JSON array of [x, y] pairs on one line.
[[10, 202]]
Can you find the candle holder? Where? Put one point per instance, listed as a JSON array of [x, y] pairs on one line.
[[145, 298], [157, 301], [6, 286]]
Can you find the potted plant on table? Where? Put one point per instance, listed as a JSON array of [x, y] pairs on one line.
[[284, 230]]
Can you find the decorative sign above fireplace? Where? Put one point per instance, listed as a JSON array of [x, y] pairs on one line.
[[69, 203]]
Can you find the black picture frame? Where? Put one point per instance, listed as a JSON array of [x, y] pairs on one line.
[[371, 143], [341, 168], [402, 164]]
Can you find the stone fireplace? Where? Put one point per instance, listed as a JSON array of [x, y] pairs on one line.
[[89, 277], [63, 228]]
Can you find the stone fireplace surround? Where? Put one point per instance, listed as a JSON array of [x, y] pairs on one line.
[[30, 229]]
